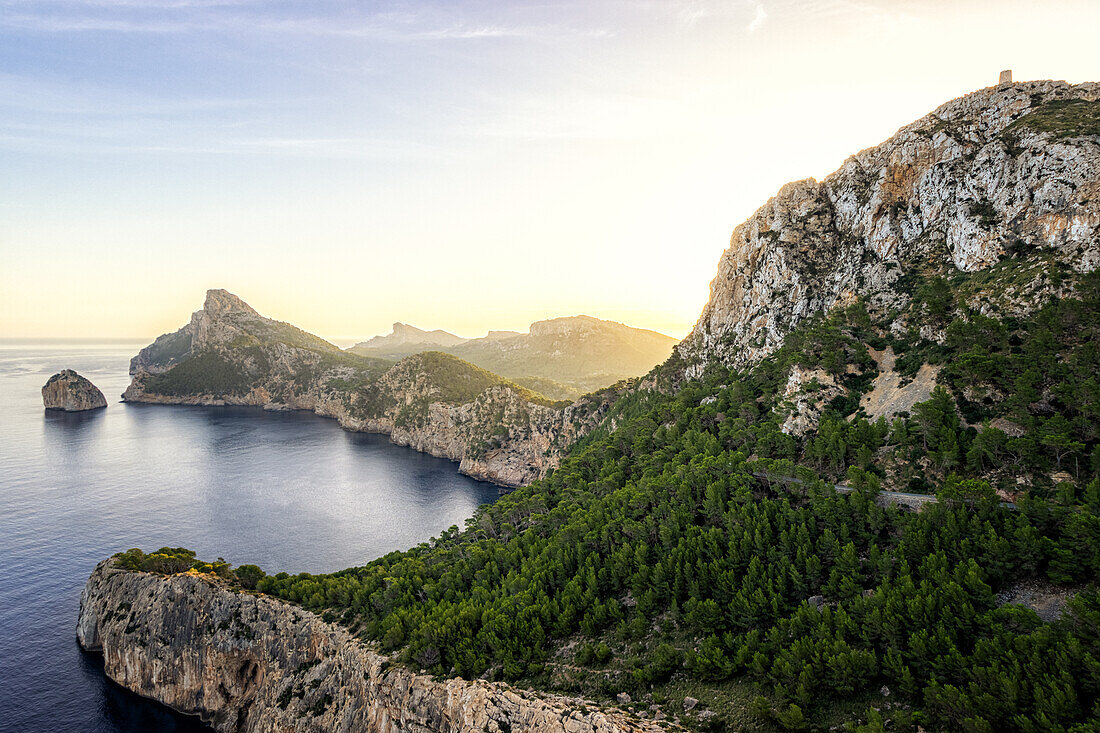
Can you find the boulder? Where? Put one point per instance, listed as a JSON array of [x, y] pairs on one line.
[[71, 392]]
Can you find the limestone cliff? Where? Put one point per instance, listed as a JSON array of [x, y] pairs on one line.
[[231, 355], [1007, 173], [71, 392], [245, 662]]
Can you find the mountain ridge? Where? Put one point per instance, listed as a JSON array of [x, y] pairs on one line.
[[962, 188], [565, 356]]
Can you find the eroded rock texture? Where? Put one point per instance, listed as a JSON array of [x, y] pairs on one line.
[[71, 392]]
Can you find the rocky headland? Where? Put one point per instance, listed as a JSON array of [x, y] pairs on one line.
[[436, 403], [245, 662], [71, 392], [1003, 183]]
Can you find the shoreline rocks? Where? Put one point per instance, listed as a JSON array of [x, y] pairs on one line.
[[70, 392]]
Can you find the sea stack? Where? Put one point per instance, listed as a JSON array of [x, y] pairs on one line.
[[71, 392]]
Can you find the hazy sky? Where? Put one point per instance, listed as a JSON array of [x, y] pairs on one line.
[[457, 165]]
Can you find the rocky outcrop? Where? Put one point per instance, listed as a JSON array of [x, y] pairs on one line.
[[806, 394], [246, 662], [498, 436], [71, 392], [959, 190]]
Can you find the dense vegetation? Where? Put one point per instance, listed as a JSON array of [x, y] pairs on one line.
[[205, 373], [698, 549]]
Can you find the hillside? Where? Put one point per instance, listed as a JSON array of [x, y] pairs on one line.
[[562, 358], [925, 319], [437, 403]]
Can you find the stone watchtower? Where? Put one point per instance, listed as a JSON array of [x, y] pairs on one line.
[[1006, 77]]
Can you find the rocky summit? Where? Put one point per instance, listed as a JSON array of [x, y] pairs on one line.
[[71, 392]]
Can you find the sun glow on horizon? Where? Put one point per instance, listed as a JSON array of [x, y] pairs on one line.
[[456, 166]]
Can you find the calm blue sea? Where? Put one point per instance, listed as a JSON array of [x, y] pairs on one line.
[[286, 491]]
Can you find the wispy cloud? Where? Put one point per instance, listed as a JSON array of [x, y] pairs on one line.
[[246, 16], [758, 19], [39, 23], [32, 95], [96, 142]]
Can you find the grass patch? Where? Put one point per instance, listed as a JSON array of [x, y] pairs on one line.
[[459, 381], [1064, 118]]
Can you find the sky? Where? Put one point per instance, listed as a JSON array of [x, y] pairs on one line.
[[459, 165]]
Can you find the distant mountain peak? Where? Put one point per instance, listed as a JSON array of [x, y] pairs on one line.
[[404, 335], [219, 302], [583, 323]]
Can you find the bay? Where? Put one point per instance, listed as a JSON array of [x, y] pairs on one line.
[[283, 490]]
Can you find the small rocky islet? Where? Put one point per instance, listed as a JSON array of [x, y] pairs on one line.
[[70, 392]]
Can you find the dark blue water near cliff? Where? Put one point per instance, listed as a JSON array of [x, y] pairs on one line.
[[286, 491]]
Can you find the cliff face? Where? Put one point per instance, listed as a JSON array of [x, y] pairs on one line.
[[1008, 172], [249, 663], [71, 392], [496, 434], [231, 355]]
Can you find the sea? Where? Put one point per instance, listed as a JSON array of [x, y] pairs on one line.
[[283, 490]]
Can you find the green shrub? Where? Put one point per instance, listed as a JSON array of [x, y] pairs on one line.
[[249, 576]]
